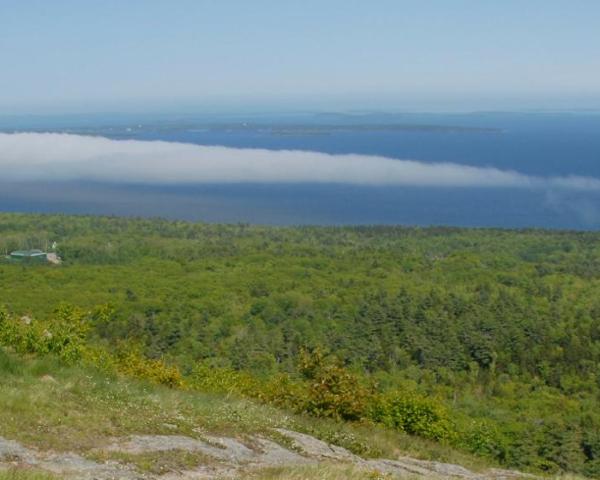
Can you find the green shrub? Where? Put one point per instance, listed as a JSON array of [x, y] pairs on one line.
[[207, 378], [63, 334], [285, 392], [484, 439], [414, 414], [332, 390], [134, 364]]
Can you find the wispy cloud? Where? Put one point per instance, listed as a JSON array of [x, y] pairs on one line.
[[52, 156]]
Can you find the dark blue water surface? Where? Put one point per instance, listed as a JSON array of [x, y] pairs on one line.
[[540, 144], [534, 144]]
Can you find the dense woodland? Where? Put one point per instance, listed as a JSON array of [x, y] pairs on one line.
[[495, 332]]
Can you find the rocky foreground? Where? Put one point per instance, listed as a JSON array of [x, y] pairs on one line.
[[218, 457]]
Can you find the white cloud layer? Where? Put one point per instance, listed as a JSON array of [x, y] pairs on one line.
[[53, 156]]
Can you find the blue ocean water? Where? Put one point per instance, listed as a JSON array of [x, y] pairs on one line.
[[544, 144]]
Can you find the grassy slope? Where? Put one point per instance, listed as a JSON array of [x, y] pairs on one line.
[[49, 406]]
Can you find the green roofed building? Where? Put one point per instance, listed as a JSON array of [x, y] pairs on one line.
[[29, 256]]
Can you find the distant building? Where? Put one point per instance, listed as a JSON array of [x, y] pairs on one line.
[[53, 258], [29, 256]]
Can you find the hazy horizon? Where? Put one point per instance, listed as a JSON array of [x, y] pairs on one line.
[[156, 56]]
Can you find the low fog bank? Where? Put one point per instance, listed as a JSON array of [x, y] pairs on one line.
[[66, 157]]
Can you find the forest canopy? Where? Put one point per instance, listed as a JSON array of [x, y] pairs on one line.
[[499, 328]]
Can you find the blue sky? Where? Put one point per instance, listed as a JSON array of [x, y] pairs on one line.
[[73, 55]]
